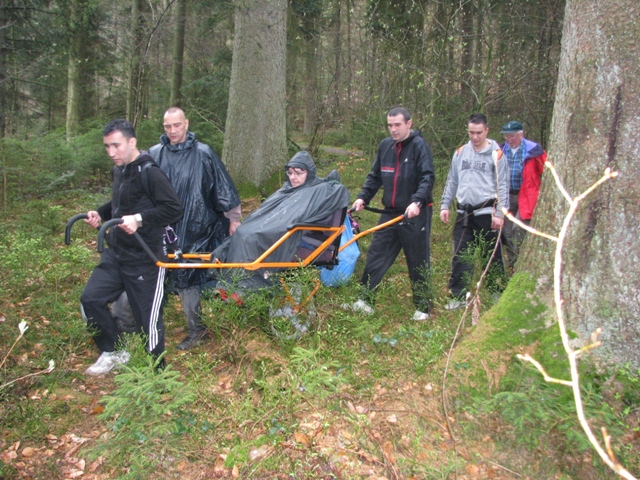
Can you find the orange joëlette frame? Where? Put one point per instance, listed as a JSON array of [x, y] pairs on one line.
[[206, 260], [259, 263]]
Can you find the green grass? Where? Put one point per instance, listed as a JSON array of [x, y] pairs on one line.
[[338, 402]]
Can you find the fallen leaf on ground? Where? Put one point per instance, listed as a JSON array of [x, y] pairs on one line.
[[258, 453], [472, 469], [302, 439], [28, 452], [218, 466], [96, 463], [8, 456], [387, 448], [74, 473]]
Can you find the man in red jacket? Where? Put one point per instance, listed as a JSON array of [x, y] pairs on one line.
[[525, 159]]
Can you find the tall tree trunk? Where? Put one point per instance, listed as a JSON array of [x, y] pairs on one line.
[[3, 95], [82, 45], [350, 57], [337, 53], [3, 67], [73, 97], [311, 104], [73, 71], [134, 91], [255, 134], [178, 53], [466, 55], [595, 125]]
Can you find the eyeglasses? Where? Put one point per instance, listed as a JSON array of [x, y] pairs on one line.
[[296, 172]]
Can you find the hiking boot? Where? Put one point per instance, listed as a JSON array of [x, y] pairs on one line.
[[193, 339], [196, 330], [107, 361], [419, 316]]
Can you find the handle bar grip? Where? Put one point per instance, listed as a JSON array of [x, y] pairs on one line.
[[384, 210], [67, 230], [103, 231]]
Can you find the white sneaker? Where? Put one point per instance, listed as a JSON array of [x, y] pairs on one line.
[[107, 361], [359, 306], [455, 304], [362, 306], [121, 357], [419, 316]]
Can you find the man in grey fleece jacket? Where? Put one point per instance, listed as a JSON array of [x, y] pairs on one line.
[[479, 180]]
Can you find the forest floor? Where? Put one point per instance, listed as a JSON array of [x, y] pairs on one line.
[[396, 430]]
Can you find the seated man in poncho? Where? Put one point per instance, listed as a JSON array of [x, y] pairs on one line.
[[304, 198]]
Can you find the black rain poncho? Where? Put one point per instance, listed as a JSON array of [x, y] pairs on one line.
[[206, 191], [310, 202]]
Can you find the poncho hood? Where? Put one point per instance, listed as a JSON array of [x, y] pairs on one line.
[[304, 161]]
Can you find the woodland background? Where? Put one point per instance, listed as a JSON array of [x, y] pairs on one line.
[[67, 65]]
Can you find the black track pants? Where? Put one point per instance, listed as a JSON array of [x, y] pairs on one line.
[[413, 237], [478, 226], [144, 284]]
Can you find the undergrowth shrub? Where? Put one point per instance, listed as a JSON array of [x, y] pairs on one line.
[[314, 376], [46, 164], [25, 260], [146, 408]]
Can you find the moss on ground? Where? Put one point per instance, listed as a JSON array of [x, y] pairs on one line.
[[516, 324]]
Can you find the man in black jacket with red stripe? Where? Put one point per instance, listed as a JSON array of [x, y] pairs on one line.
[[125, 266], [404, 169]]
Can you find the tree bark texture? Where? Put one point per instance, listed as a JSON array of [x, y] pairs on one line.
[[595, 125], [178, 53], [73, 71], [3, 67], [73, 97], [255, 133], [311, 97], [136, 72]]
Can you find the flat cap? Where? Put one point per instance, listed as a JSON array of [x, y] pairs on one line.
[[512, 127]]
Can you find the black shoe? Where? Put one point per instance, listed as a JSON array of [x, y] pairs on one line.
[[192, 340]]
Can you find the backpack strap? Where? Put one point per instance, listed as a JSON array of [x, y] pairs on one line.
[[170, 236], [144, 177]]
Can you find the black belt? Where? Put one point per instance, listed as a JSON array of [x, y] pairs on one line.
[[514, 192], [469, 209]]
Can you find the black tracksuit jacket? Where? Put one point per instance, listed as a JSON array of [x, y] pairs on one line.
[[406, 173], [129, 197]]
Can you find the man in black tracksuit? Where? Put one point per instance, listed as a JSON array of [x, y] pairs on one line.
[[124, 266], [404, 168]]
